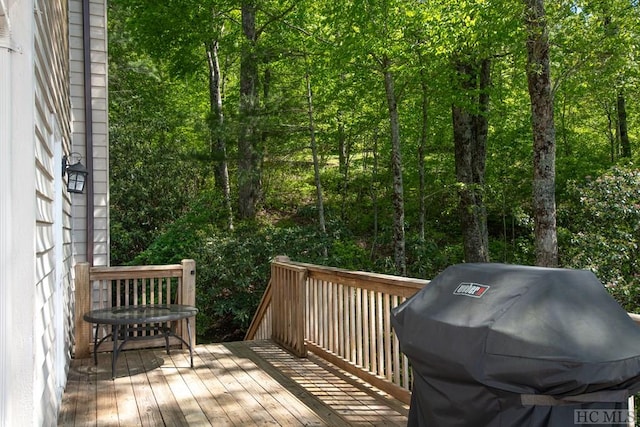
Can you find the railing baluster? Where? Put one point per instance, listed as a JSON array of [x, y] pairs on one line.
[[396, 349], [353, 339], [344, 323], [329, 317], [359, 328], [366, 318], [373, 329], [337, 289], [323, 315], [379, 333], [118, 284], [387, 336], [311, 311], [307, 323], [143, 291], [127, 292], [316, 314], [335, 345]]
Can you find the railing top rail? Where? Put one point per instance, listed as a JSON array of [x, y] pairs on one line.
[[142, 272], [396, 285], [291, 265]]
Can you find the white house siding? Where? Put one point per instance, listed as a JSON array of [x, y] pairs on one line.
[[100, 141], [36, 228], [6, 273], [52, 138], [36, 259], [17, 216]]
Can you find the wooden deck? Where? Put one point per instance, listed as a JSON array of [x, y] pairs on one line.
[[232, 384]]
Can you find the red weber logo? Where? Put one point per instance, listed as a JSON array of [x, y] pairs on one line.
[[474, 290]]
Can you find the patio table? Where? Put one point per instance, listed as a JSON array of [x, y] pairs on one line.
[[126, 318]]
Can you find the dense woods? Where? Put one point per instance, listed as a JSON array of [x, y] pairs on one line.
[[396, 136]]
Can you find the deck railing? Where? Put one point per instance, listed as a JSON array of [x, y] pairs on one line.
[[340, 315], [101, 287]]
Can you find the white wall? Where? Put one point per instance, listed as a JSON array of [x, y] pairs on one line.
[[52, 138], [35, 248], [37, 79], [18, 220], [5, 204]]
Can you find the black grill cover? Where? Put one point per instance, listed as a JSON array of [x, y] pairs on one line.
[[506, 345]]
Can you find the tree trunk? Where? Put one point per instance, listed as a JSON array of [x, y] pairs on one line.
[[316, 165], [342, 145], [470, 136], [544, 143], [424, 127], [343, 155], [625, 145], [219, 145], [613, 140], [374, 196], [481, 130], [396, 164], [249, 158]]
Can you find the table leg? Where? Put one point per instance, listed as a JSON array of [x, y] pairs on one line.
[[166, 331], [95, 344], [190, 341], [114, 356]]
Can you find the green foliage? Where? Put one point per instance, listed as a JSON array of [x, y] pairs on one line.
[[603, 218], [428, 258], [233, 268], [155, 123]]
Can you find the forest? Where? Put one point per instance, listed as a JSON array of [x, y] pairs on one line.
[[391, 136]]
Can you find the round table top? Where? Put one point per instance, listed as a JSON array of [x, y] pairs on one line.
[[140, 314]]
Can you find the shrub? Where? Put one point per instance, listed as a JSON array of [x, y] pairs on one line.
[[603, 220], [233, 267]]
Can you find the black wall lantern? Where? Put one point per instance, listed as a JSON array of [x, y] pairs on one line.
[[77, 173]]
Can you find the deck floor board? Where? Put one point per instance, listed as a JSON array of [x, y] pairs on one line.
[[231, 384]]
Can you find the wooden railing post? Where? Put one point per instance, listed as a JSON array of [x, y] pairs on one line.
[[82, 306], [188, 297]]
